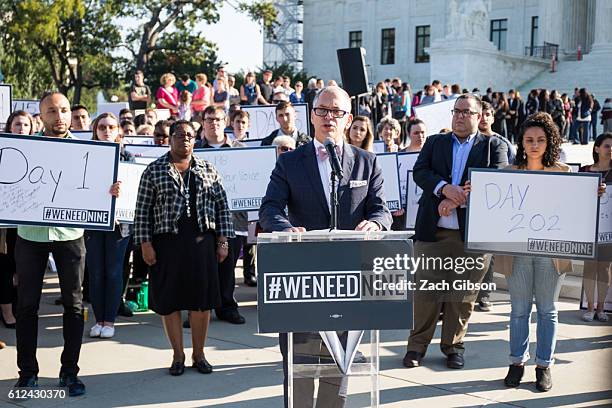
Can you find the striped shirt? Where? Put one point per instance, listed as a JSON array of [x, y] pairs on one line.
[[160, 203]]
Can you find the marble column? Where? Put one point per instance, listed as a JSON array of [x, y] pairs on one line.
[[603, 28], [574, 25], [550, 21]]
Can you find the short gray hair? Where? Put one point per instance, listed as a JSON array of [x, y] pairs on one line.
[[333, 89], [388, 121]]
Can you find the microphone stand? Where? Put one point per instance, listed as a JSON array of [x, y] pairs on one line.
[[333, 200]]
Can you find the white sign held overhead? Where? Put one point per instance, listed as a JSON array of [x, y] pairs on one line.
[[437, 116], [57, 182], [112, 107], [29, 105], [262, 119], [526, 213], [245, 172], [129, 175]]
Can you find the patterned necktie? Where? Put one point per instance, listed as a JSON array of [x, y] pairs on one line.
[[323, 153]]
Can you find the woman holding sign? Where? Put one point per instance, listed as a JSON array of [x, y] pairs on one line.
[[539, 146], [597, 273], [183, 224], [106, 249]]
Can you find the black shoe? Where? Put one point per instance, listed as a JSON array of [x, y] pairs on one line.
[[543, 379], [124, 310], [250, 280], [24, 382], [484, 305], [231, 317], [454, 360], [177, 368], [75, 386], [186, 324], [202, 366], [412, 359], [359, 358], [514, 376]]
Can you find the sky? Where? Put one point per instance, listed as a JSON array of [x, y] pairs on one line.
[[238, 38]]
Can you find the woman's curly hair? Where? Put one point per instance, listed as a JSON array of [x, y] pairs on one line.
[[545, 122]]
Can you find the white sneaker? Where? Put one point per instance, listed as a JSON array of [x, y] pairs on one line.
[[588, 316], [602, 316], [107, 332], [95, 330]]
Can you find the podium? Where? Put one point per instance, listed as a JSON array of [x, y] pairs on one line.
[[321, 290]]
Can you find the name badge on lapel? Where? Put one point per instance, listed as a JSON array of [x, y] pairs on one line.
[[358, 183]]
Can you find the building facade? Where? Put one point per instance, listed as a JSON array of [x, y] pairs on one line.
[[465, 41]]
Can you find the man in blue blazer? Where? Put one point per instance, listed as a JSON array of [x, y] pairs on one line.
[[301, 183]]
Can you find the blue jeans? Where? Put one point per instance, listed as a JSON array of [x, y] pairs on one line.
[[105, 253], [585, 135], [533, 276]]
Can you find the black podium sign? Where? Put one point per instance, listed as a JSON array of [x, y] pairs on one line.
[[333, 285]]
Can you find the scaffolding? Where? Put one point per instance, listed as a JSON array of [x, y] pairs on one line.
[[287, 44]]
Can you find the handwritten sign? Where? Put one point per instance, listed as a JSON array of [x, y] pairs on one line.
[[388, 165], [528, 212], [162, 114], [146, 150], [405, 163], [604, 234], [57, 182], [6, 102], [29, 105], [414, 193], [245, 172], [129, 175], [437, 116], [262, 119]]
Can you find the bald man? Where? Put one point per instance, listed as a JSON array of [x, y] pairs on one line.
[[301, 183], [31, 253]]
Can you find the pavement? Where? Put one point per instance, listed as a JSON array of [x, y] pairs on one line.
[[130, 370]]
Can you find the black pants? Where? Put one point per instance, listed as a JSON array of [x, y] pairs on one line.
[[248, 251], [8, 293], [308, 348], [31, 259], [227, 281]]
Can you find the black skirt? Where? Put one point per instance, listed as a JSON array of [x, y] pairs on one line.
[[185, 276]]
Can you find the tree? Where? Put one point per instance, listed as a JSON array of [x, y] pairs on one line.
[[160, 16], [74, 38]]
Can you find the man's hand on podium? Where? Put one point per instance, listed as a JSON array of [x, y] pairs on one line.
[[295, 229], [366, 225]]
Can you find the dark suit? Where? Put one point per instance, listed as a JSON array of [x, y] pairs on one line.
[[435, 164], [302, 138], [295, 183]]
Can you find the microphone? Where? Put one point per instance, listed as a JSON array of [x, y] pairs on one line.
[[330, 146]]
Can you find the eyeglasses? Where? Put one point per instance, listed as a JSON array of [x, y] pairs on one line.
[[335, 113], [285, 148], [463, 113], [213, 120]]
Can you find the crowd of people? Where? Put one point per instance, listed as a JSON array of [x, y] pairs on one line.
[[186, 242]]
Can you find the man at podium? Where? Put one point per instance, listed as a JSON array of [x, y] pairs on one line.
[[301, 183]]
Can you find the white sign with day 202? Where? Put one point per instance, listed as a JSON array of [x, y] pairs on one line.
[[528, 213], [245, 172], [129, 175], [262, 119], [388, 165], [57, 182]]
